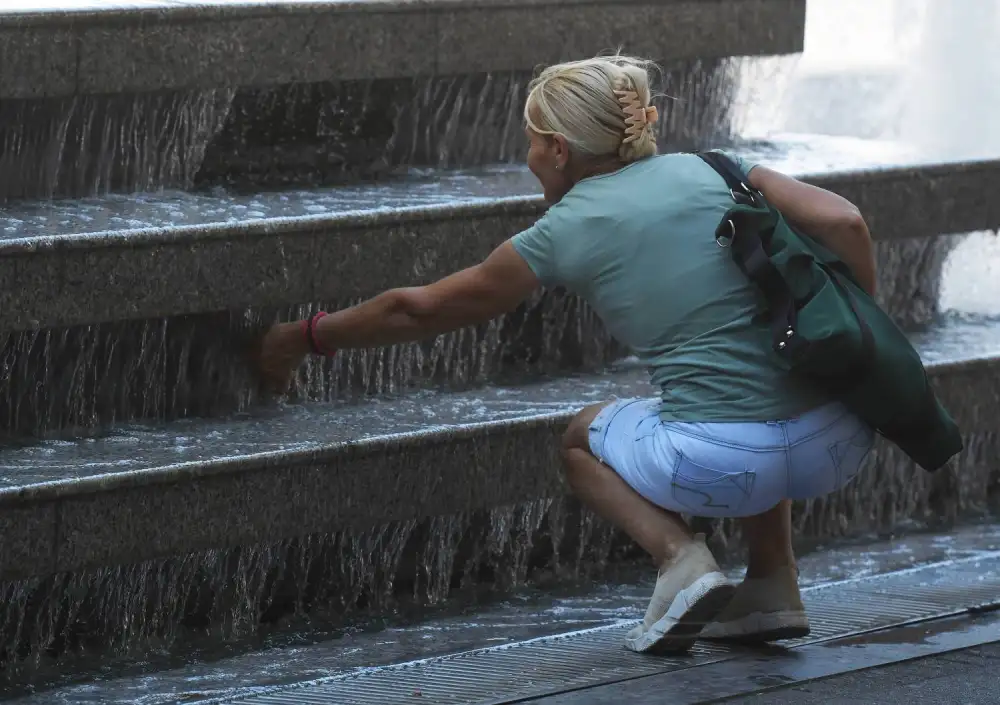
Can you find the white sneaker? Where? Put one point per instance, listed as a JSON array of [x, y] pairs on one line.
[[690, 591]]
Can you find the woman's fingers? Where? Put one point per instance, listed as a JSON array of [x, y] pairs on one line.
[[280, 354]]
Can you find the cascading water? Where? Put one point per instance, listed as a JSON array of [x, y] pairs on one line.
[[71, 381], [322, 133], [952, 81], [94, 144], [234, 594], [950, 92], [905, 70]]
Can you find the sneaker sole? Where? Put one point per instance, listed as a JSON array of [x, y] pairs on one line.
[[689, 613], [760, 627]]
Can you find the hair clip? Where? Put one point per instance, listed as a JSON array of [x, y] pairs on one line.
[[637, 117]]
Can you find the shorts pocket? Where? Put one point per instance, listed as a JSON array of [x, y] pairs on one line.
[[707, 492], [849, 455]]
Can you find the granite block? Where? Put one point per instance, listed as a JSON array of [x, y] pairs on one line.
[[134, 524], [233, 274], [663, 31], [970, 390], [177, 510], [120, 282], [35, 300], [162, 56], [27, 541], [211, 47], [67, 287], [922, 201], [366, 46], [173, 271], [408, 252], [37, 63], [298, 494], [254, 51]]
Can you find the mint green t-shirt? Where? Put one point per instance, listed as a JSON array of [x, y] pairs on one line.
[[639, 246]]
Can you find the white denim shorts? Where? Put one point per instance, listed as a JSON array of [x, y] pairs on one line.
[[729, 469]]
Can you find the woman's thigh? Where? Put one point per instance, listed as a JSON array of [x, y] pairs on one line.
[[712, 470]]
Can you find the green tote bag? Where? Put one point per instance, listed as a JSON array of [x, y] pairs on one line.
[[828, 331]]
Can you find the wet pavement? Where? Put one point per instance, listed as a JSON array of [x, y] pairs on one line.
[[857, 623], [968, 676], [950, 661]]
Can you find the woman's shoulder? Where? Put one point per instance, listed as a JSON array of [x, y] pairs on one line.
[[651, 170], [647, 181]]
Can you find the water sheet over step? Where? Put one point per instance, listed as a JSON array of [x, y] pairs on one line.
[[160, 96], [144, 308]]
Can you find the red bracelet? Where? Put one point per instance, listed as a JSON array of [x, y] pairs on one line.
[[309, 331]]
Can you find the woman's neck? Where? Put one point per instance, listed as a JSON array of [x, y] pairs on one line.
[[598, 168]]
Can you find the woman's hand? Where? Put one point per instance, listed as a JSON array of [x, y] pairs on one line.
[[281, 353]]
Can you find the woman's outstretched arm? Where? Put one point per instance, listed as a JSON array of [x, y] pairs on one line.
[[474, 295]]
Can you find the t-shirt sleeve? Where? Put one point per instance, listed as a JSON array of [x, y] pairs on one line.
[[537, 247]]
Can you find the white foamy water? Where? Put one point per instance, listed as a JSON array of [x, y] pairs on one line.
[[923, 75]]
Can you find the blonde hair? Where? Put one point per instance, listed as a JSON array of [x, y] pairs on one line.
[[600, 105]]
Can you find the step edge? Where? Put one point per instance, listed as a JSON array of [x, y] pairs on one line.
[[484, 207], [177, 473]]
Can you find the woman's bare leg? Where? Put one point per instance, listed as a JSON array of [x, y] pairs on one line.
[[690, 590], [769, 536], [767, 605], [661, 533]]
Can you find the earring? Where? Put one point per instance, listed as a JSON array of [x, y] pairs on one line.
[[558, 167]]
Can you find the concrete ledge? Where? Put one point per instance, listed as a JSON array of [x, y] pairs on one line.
[[231, 44], [174, 510], [71, 280]]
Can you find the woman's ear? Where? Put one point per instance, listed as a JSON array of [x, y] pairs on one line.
[[560, 149]]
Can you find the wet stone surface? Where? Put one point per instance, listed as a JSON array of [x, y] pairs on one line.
[[303, 133], [311, 426], [810, 154], [289, 653], [83, 380]]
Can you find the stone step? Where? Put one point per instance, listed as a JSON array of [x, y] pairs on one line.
[[144, 308], [178, 94], [96, 49], [143, 492], [70, 263]]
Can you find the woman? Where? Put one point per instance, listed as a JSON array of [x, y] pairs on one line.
[[731, 435]]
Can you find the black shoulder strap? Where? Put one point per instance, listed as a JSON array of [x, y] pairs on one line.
[[749, 253], [727, 169]]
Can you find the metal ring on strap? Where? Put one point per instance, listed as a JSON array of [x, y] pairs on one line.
[[723, 241]]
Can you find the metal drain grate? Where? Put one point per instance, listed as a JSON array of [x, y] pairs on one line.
[[593, 657]]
